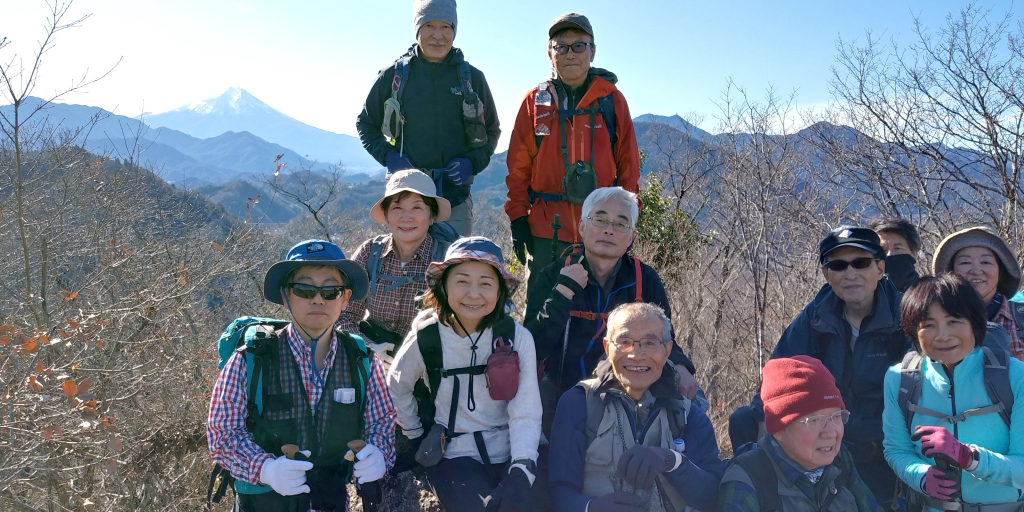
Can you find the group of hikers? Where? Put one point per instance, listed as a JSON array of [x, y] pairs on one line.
[[406, 357]]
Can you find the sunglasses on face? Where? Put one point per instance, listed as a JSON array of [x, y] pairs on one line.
[[840, 265], [308, 291], [578, 47]]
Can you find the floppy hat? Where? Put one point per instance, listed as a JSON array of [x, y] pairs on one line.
[[851, 236], [473, 248], [979, 236], [411, 180], [315, 252]]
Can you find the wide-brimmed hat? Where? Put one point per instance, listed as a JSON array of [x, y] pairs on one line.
[[473, 248], [979, 236], [315, 252], [411, 180]]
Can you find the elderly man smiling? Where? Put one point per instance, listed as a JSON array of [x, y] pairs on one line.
[[800, 465], [627, 430]]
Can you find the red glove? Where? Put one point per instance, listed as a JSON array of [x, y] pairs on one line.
[[938, 441], [942, 483]]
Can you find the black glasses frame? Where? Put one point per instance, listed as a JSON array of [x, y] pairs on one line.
[[577, 47], [308, 291], [841, 265]]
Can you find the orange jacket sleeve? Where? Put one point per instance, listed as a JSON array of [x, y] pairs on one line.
[[522, 150], [627, 154]]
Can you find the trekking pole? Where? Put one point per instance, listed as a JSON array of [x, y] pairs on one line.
[[370, 492], [556, 225]]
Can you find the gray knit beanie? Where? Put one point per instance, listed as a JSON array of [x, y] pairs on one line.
[[425, 11]]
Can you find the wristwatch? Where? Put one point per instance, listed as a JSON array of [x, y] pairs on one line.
[[975, 457]]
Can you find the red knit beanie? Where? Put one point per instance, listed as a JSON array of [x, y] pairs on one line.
[[794, 387]]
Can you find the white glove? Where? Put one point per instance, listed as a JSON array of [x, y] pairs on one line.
[[286, 476], [371, 466], [382, 351]]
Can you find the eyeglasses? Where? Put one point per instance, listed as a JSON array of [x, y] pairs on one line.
[[602, 223], [840, 265], [646, 344], [577, 47], [817, 422], [308, 291]]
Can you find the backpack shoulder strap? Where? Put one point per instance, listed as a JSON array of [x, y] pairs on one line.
[[997, 381], [373, 260], [595, 409], [678, 417], [504, 332], [443, 234], [1017, 309], [639, 279], [401, 76], [607, 105], [910, 385], [758, 465], [465, 77], [359, 362], [428, 339]]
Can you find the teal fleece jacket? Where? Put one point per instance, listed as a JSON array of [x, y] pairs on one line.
[[1000, 472]]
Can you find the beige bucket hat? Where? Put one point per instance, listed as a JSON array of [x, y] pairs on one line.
[[980, 237], [411, 180]]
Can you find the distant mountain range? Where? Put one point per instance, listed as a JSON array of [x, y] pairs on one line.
[[236, 110]]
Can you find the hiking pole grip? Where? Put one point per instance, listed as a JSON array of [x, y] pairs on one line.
[[556, 225]]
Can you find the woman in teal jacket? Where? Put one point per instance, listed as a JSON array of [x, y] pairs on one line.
[[978, 460]]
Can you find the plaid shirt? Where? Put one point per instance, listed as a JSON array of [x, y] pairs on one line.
[[1004, 317], [736, 496], [231, 444], [394, 309]]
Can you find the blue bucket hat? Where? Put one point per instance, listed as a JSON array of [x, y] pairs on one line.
[[472, 248], [315, 252]]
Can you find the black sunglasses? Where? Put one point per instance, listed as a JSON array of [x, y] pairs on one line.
[[841, 265], [578, 47], [308, 291]]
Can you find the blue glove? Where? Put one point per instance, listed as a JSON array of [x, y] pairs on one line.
[[459, 170], [396, 161]]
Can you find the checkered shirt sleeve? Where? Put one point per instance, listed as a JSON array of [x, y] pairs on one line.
[[231, 444], [1005, 318]]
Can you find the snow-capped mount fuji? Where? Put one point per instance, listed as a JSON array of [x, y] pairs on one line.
[[237, 110]]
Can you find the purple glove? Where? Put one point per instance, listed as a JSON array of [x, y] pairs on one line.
[[942, 483], [396, 161], [938, 441], [459, 170]]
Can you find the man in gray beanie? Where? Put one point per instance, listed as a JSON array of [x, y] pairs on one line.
[[433, 111]]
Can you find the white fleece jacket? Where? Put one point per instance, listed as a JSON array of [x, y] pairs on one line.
[[511, 428]]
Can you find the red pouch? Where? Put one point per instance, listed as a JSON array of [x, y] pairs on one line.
[[502, 371]]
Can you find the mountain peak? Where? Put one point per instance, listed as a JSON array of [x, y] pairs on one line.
[[233, 101]]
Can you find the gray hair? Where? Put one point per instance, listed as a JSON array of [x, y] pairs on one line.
[[646, 310], [606, 193]]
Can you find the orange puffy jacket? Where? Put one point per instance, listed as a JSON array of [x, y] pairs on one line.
[[542, 168]]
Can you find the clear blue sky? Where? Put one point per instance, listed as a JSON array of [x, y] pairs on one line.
[[316, 59]]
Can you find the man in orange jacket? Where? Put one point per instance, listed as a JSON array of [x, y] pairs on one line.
[[573, 134]]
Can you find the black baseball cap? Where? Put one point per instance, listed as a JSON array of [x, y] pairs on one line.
[[570, 20], [851, 236]]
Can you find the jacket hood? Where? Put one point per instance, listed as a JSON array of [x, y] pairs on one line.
[[455, 55], [665, 387], [605, 74]]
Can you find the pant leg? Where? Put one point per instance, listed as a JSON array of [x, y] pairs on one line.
[[461, 484], [462, 217], [541, 257]]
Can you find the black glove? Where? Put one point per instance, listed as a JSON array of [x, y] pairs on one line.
[[640, 465], [617, 502], [512, 494], [379, 334], [522, 239]]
